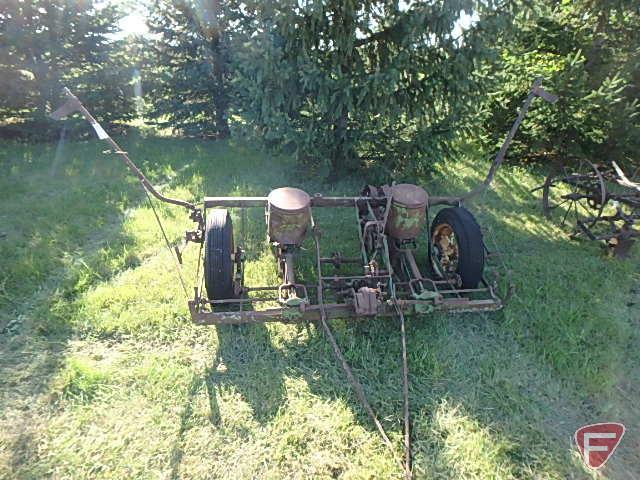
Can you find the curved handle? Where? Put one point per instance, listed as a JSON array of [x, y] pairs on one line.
[[74, 105]]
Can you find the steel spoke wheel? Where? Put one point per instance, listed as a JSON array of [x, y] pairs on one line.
[[575, 194]]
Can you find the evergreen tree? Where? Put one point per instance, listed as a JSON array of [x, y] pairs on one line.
[[48, 44], [589, 54], [348, 84], [191, 88]]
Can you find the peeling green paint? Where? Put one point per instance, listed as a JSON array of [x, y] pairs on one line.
[[295, 301], [291, 314], [405, 222], [424, 308], [425, 295], [406, 218]]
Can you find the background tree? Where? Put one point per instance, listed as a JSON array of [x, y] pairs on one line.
[[589, 52], [350, 84], [191, 92], [47, 44]]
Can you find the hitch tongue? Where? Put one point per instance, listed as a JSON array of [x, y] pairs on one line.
[[72, 105]]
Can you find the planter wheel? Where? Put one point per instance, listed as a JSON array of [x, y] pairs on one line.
[[457, 246], [218, 255]]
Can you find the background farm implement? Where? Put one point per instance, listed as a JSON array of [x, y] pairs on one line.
[[599, 200]]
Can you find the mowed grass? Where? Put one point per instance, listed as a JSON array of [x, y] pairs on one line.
[[103, 375]]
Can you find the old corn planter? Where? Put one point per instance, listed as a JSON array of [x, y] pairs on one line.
[[406, 262], [389, 226]]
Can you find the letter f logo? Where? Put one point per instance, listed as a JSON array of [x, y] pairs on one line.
[[597, 442]]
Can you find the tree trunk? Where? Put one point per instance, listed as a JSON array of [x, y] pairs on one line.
[[343, 152], [212, 30], [220, 97], [340, 153]]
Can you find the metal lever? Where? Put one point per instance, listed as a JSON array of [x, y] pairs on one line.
[[536, 91], [542, 93], [74, 105]]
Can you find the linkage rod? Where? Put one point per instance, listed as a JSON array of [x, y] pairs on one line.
[[355, 384]]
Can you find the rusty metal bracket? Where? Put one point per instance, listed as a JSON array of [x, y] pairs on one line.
[[194, 236], [366, 301]]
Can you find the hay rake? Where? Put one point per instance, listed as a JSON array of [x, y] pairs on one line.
[[599, 199]]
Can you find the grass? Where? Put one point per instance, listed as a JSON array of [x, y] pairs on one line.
[[104, 376]]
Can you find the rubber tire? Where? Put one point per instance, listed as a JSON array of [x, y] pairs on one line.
[[471, 250], [218, 248]]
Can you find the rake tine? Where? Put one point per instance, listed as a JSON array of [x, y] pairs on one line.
[[559, 204], [564, 219]]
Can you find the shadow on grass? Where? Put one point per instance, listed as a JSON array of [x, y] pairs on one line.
[[175, 457], [508, 378], [57, 245], [78, 242], [66, 207], [247, 361]]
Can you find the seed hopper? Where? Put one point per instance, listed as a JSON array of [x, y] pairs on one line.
[[407, 263]]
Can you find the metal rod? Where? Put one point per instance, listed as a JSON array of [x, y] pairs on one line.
[[355, 384], [132, 166], [336, 278], [535, 91], [405, 364], [316, 201], [333, 311], [232, 301], [405, 394]]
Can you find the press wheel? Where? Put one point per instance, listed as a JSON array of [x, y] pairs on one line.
[[219, 255]]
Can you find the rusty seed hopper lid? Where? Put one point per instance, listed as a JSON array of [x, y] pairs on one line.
[[289, 199], [409, 195]]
